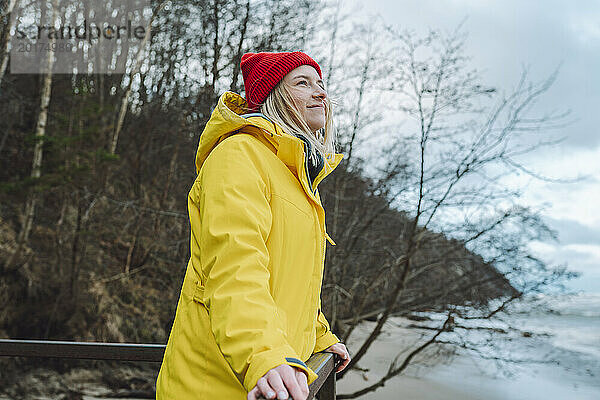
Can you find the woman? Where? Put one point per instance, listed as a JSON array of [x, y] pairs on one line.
[[249, 313]]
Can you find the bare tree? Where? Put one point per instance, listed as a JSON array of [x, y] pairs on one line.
[[462, 148]]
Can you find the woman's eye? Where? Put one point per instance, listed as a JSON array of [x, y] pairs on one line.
[[303, 82]]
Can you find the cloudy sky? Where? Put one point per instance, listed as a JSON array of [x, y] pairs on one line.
[[503, 37]]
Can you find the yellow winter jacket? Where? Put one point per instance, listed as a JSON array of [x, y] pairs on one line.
[[250, 299]]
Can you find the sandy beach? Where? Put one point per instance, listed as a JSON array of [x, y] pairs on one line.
[[568, 374], [464, 379]]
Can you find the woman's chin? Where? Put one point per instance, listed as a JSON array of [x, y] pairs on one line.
[[316, 125]]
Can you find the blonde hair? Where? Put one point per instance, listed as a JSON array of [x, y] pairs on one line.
[[280, 108]]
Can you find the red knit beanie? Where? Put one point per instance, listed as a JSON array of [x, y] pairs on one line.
[[263, 71]]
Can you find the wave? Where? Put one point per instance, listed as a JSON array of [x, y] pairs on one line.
[[586, 305]]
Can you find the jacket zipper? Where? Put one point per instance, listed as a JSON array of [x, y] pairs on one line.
[[305, 161], [306, 170]]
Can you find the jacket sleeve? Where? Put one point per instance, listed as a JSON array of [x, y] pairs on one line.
[[235, 222], [325, 337]]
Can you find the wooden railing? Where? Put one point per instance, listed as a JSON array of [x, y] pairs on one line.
[[322, 363]]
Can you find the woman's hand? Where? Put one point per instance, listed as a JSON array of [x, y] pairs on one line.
[[281, 382], [341, 350]]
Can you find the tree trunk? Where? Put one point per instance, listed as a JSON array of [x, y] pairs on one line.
[[5, 36], [38, 151], [240, 49]]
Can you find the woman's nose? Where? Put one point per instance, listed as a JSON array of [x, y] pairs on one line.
[[320, 93]]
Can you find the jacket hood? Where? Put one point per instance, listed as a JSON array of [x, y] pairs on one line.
[[228, 118], [225, 119]]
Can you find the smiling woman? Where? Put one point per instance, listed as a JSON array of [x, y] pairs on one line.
[[249, 314]]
